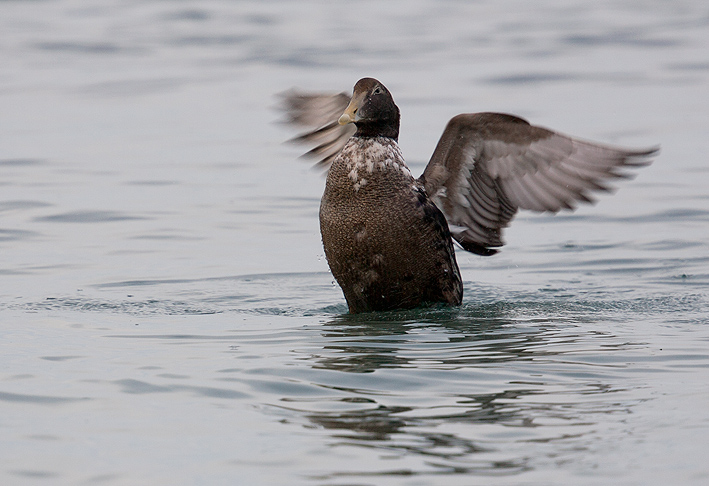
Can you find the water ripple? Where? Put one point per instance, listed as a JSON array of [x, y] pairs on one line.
[[139, 387], [128, 307], [88, 217], [37, 399], [15, 234], [21, 205]]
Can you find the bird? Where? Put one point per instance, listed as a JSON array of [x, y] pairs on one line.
[[388, 236]]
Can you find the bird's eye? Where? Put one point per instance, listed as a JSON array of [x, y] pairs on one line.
[[377, 90]]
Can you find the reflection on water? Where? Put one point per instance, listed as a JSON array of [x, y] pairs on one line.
[[561, 379]]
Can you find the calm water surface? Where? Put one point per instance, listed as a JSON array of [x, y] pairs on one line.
[[167, 313]]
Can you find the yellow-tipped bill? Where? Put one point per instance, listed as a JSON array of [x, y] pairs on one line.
[[345, 119], [350, 114]]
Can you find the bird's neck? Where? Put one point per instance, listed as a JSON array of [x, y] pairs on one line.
[[379, 128]]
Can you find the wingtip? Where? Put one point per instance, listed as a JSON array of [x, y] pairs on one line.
[[478, 249], [646, 152], [654, 150], [640, 158]]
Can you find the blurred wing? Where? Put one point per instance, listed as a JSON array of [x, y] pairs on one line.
[[318, 113], [486, 166]]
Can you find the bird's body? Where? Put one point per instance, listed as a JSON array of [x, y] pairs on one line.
[[388, 237], [387, 243]]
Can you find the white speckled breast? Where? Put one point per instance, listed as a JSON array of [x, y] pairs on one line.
[[362, 157]]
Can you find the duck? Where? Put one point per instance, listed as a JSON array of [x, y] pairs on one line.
[[389, 236]]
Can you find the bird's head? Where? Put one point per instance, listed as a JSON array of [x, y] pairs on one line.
[[372, 110]]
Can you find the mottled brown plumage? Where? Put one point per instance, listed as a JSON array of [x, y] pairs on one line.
[[386, 242], [387, 236]]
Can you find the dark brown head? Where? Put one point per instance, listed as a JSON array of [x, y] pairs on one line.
[[372, 110]]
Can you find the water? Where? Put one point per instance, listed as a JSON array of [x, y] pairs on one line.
[[167, 312]]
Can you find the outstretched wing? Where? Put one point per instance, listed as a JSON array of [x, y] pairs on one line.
[[318, 113], [486, 166]]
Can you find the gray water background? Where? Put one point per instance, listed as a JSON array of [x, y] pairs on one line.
[[166, 312]]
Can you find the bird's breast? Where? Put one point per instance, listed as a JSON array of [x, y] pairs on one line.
[[369, 162]]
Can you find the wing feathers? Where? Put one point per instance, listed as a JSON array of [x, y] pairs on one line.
[[318, 113], [487, 166]]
